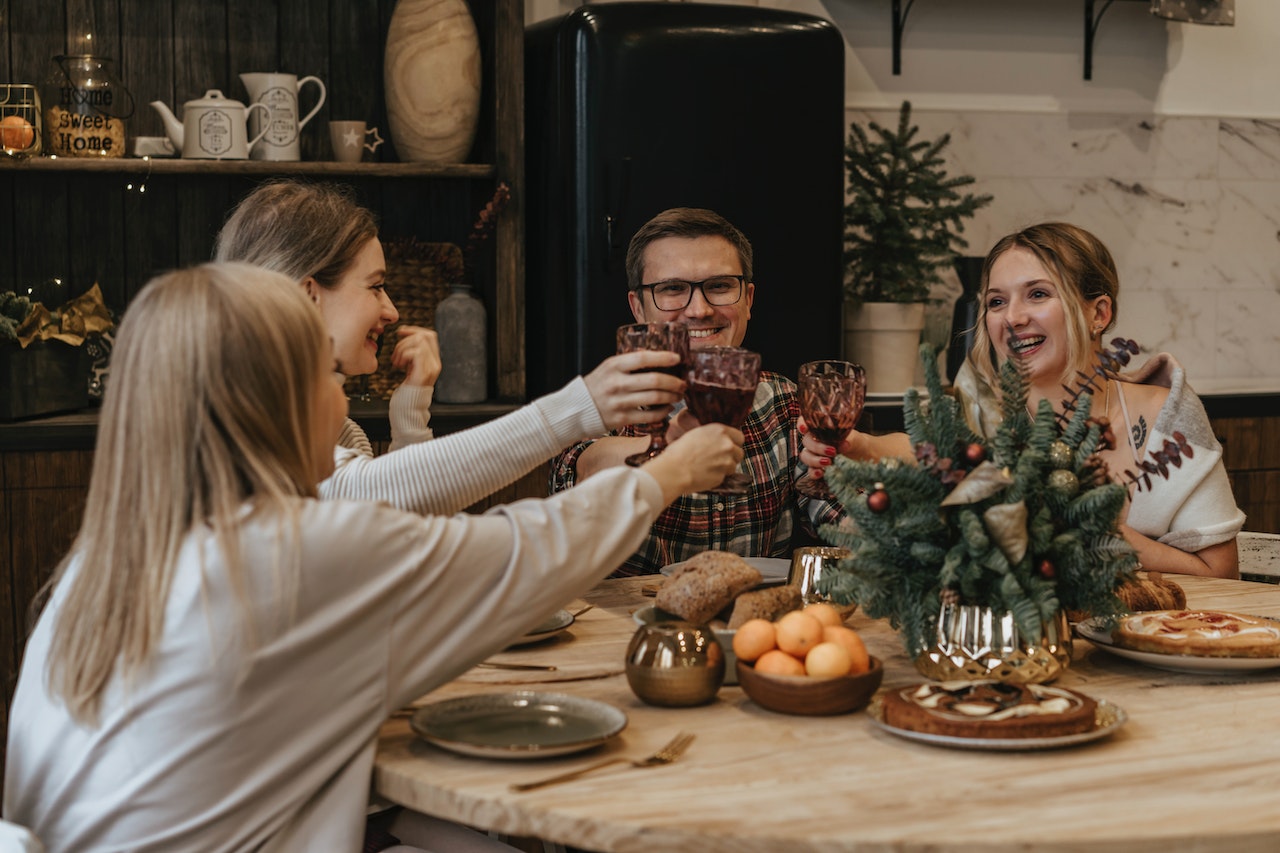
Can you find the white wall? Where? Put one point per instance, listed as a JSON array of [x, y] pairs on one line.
[[1027, 55]]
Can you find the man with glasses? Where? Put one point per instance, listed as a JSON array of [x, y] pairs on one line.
[[691, 266]]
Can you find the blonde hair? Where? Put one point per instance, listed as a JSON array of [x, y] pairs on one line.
[[301, 229], [213, 379], [1082, 269]]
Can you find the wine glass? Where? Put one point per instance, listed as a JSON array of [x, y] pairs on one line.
[[722, 388], [673, 337], [831, 397]]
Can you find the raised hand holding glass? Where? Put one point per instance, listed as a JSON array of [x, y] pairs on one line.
[[722, 389], [832, 394], [672, 337]]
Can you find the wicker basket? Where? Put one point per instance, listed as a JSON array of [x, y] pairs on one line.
[[418, 277]]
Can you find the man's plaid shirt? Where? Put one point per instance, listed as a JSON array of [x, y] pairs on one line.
[[770, 521]]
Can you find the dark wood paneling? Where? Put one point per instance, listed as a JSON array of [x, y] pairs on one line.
[[1258, 494], [42, 499], [1249, 443], [147, 62], [10, 643], [1251, 454]]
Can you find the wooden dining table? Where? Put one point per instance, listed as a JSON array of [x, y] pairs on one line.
[[1195, 767]]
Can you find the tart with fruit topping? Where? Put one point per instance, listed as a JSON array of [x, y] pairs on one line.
[[989, 709], [1204, 633]]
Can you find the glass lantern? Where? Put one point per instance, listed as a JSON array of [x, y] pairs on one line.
[[85, 108], [19, 119]]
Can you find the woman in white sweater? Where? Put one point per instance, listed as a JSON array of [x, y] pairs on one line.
[[1050, 293], [320, 237], [209, 674]]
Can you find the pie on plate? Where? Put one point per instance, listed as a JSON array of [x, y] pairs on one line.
[[989, 709], [1109, 719], [1204, 633]]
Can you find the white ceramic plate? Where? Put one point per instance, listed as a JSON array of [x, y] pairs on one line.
[[772, 569], [518, 724], [1097, 631], [549, 627], [1109, 718]]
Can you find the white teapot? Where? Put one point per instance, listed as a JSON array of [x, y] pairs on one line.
[[212, 127]]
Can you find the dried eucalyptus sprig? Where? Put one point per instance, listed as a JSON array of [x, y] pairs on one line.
[[1109, 366], [488, 219]]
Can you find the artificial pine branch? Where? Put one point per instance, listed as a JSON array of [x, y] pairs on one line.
[[904, 217], [1043, 538]]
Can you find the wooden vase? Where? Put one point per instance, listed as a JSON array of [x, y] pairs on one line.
[[432, 78]]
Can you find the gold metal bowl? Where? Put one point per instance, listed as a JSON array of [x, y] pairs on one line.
[[675, 664]]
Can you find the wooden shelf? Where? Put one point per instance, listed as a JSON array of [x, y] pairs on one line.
[[252, 168]]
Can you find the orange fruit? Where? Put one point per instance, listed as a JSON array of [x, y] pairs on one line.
[[798, 632], [16, 133], [827, 660], [860, 661], [753, 638], [778, 662], [825, 613]]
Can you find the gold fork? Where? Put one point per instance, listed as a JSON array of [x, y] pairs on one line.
[[666, 755]]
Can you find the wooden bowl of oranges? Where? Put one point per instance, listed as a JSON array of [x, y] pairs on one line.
[[807, 662]]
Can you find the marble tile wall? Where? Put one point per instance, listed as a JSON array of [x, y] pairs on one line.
[[1190, 208]]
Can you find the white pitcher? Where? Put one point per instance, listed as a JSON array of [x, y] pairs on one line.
[[279, 93]]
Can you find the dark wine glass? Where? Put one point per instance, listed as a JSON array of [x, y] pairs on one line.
[[832, 394], [672, 337], [722, 389]]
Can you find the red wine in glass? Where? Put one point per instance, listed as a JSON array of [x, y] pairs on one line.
[[832, 394], [722, 387], [673, 337]]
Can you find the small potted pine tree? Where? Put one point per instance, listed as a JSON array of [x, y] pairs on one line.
[[903, 223]]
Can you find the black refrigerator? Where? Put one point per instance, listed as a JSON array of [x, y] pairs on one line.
[[632, 108]]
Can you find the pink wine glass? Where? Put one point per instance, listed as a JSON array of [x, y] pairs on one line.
[[672, 337], [722, 388], [832, 394]]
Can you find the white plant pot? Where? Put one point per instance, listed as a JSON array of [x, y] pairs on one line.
[[884, 337]]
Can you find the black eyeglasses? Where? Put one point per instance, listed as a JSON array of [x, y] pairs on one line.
[[675, 294]]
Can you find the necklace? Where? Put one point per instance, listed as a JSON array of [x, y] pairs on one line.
[[1128, 425]]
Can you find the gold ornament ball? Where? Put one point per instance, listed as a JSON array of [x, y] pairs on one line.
[[1060, 455], [1064, 483]]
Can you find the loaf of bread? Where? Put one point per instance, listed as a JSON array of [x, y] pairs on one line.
[[705, 584], [1145, 591], [768, 604], [1152, 592]]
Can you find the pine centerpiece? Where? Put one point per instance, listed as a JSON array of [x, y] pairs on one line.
[[1024, 524]]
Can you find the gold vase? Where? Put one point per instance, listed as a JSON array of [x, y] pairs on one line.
[[974, 643]]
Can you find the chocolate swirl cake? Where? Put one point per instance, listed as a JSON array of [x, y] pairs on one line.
[[989, 709]]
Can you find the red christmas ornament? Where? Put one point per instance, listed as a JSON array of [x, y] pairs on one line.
[[878, 501], [1047, 569], [975, 453]]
